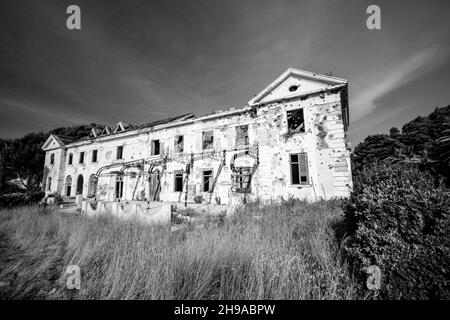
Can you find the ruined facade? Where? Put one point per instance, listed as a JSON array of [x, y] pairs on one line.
[[289, 140]]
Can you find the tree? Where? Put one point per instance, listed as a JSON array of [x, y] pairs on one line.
[[23, 158]]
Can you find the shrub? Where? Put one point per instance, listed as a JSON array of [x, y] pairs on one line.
[[397, 218], [20, 199]]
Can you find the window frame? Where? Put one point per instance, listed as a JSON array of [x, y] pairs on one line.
[[81, 157], [95, 151], [153, 144], [176, 176], [304, 155], [203, 140], [70, 159], [302, 130], [238, 174], [211, 180], [175, 144], [121, 152], [246, 143]]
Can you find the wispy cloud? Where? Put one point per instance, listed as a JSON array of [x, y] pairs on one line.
[[379, 83]]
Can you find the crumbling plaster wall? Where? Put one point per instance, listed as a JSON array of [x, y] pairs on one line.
[[323, 141], [54, 170]]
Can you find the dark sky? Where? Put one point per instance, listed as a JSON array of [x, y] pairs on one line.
[[140, 61]]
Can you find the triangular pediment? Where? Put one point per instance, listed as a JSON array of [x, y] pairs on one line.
[[295, 82], [52, 142]]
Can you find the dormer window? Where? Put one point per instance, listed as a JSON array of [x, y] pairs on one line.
[[120, 127]]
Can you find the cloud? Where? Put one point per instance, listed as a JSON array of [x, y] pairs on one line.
[[394, 76]]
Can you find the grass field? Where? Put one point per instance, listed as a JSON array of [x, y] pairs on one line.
[[272, 251]]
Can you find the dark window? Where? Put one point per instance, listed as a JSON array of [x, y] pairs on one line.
[[299, 168], [119, 154], [179, 143], [178, 181], [296, 122], [68, 185], [81, 157], [293, 88], [70, 158], [242, 135], [155, 147], [94, 155], [119, 187], [207, 180], [52, 158], [49, 186], [242, 179], [207, 140]]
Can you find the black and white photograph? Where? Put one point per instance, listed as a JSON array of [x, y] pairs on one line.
[[203, 151]]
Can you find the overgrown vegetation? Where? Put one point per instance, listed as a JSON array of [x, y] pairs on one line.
[[275, 251], [398, 218], [20, 199]]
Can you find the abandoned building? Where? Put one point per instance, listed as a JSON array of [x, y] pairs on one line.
[[289, 140]]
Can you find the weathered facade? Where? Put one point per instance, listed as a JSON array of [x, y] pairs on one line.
[[290, 140]]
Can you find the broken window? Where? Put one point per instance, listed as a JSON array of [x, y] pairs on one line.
[[94, 155], [296, 122], [155, 147], [119, 153], [242, 179], [178, 185], [179, 143], [207, 180], [52, 158], [207, 140], [81, 157], [299, 168], [242, 135], [70, 158]]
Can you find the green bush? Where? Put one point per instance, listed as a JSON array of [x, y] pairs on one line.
[[397, 218], [20, 199]]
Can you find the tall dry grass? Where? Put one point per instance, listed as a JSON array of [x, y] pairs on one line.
[[272, 251]]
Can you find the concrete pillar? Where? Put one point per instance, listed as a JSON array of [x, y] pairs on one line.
[[79, 201], [84, 206], [134, 209], [102, 207], [115, 209]]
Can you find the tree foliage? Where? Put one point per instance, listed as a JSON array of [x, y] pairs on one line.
[[424, 140], [398, 218]]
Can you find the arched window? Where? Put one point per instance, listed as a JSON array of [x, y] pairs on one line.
[[80, 184], [92, 188], [68, 185]]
